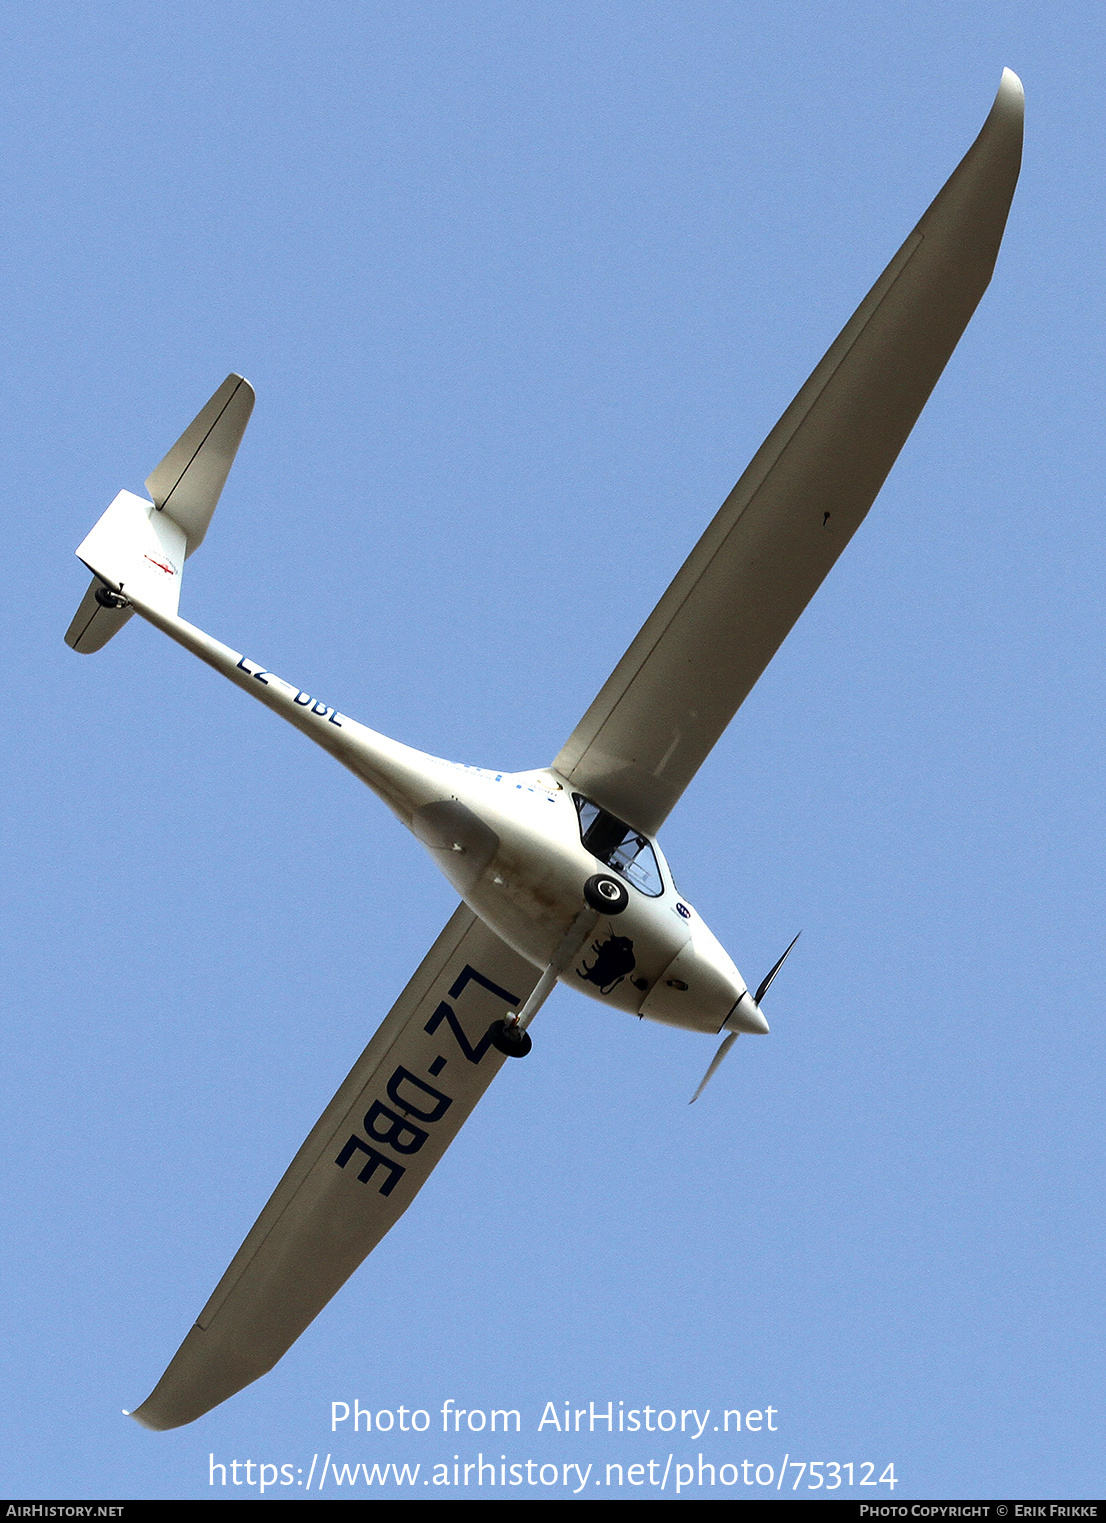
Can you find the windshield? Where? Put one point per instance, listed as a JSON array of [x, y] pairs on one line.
[[617, 846]]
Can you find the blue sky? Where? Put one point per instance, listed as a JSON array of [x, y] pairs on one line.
[[521, 289]]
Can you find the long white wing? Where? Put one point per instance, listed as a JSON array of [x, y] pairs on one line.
[[365, 1161], [800, 501]]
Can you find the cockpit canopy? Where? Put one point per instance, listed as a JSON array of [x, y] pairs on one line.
[[618, 846]]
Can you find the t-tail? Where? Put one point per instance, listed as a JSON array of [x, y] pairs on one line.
[[136, 553], [140, 545]]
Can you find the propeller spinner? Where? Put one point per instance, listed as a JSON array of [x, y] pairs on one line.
[[731, 1038]]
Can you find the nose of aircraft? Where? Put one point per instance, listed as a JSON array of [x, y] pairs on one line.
[[702, 990], [747, 1015]]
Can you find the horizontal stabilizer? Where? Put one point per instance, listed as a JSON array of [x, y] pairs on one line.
[[187, 483], [132, 549]]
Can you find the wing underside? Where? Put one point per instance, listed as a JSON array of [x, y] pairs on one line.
[[362, 1165], [799, 502]]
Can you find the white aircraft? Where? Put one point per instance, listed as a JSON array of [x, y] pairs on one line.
[[559, 870]]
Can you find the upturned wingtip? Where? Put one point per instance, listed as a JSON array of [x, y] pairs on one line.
[[142, 1419], [1010, 100]]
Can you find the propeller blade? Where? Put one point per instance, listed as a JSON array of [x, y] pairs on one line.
[[718, 1056], [766, 983]]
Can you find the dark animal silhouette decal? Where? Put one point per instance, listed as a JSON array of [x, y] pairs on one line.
[[614, 958]]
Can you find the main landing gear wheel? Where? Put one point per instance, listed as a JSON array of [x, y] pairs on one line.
[[509, 1039], [606, 894]]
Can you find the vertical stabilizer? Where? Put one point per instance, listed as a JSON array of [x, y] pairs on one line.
[[187, 483]]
